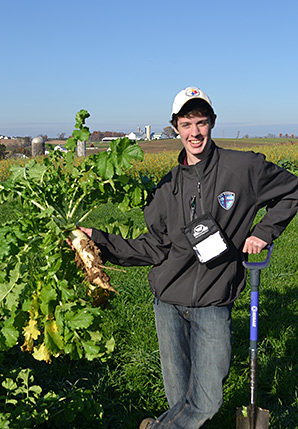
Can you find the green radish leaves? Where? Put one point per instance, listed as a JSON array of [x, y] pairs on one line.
[[43, 301]]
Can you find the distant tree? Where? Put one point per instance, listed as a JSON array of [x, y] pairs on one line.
[[61, 136], [170, 132], [97, 136], [22, 151], [2, 151], [23, 141], [27, 141], [113, 134]]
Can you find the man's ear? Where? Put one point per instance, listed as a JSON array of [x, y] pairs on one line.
[[213, 122], [176, 131]]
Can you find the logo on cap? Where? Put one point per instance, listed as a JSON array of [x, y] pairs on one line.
[[226, 200], [190, 92]]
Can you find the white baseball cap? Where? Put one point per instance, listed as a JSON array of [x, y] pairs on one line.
[[187, 94]]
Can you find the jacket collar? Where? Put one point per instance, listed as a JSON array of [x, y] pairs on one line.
[[203, 166], [201, 169]]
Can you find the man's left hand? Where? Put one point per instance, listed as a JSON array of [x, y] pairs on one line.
[[253, 245]]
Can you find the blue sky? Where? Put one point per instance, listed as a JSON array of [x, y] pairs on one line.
[[125, 61]]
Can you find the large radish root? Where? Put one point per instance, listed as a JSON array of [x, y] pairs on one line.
[[88, 257]]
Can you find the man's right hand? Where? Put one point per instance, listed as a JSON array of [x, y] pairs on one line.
[[253, 245], [87, 231]]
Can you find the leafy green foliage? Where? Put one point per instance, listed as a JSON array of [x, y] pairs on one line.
[[24, 405], [42, 300], [291, 165]]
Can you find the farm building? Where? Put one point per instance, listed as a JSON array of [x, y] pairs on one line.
[[159, 136], [109, 139], [136, 135]]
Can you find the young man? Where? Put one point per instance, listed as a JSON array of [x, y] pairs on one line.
[[199, 220]]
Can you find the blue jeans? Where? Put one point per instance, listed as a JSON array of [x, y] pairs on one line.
[[195, 352]]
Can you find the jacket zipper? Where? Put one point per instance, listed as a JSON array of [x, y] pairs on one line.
[[196, 282], [200, 199], [199, 189], [192, 203]]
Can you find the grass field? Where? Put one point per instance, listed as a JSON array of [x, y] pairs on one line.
[[129, 385]]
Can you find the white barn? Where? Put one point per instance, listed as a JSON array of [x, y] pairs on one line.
[[136, 135]]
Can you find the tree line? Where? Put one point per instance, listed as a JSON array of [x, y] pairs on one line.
[[97, 136]]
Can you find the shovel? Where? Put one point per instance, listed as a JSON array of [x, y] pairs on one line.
[[253, 417]]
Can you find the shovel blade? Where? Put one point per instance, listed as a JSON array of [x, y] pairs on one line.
[[261, 419]]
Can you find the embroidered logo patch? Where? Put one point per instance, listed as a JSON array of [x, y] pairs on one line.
[[226, 200]]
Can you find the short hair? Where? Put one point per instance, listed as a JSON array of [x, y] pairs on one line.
[[194, 107]]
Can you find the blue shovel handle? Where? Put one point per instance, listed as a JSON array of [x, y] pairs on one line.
[[260, 265], [255, 270]]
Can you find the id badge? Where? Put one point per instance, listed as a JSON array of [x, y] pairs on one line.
[[206, 238]]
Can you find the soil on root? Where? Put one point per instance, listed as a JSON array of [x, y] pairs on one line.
[[100, 293]]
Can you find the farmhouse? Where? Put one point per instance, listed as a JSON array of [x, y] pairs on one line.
[[159, 136], [61, 148], [136, 135]]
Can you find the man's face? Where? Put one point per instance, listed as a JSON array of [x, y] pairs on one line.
[[195, 133]]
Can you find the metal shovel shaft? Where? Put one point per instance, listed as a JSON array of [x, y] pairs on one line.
[[253, 364]]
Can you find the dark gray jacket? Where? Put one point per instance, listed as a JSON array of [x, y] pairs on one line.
[[233, 186]]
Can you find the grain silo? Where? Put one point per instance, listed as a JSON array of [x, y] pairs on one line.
[[148, 132]]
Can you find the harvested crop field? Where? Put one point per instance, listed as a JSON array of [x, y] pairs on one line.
[[174, 145]]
